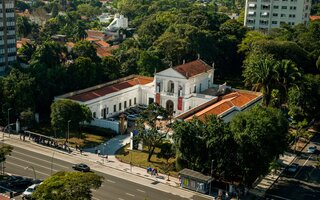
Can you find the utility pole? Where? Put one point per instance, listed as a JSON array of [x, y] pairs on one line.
[[68, 131], [211, 172]]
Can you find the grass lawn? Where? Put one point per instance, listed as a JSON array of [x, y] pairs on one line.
[[139, 158], [88, 137]]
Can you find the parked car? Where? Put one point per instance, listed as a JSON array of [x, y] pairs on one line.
[[19, 183], [312, 149], [81, 167], [27, 194], [133, 117], [292, 168], [142, 106]]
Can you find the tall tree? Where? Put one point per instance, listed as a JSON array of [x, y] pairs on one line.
[[23, 26], [260, 73], [149, 129], [5, 150], [64, 110], [68, 186], [261, 135]]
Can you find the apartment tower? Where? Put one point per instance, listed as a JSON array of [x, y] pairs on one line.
[[266, 14], [7, 33]]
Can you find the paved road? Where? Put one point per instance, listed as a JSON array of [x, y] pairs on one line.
[[113, 188], [305, 183]]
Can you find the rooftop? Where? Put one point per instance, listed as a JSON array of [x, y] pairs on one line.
[[192, 68], [195, 175], [314, 17], [107, 88], [239, 99]]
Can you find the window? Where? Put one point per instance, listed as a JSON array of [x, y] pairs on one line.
[[292, 16], [125, 104], [200, 87], [284, 7], [275, 14], [94, 115], [107, 112], [114, 108], [194, 89], [130, 102], [283, 15], [135, 101], [293, 7], [275, 7], [274, 22], [120, 107]]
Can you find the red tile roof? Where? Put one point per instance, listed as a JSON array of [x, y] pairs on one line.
[[103, 52], [193, 68], [102, 43], [95, 34], [314, 17], [227, 102], [105, 89]]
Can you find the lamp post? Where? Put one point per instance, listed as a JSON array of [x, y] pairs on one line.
[[68, 130], [34, 171], [211, 172]]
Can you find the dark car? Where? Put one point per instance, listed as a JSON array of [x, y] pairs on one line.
[[81, 167], [292, 168]]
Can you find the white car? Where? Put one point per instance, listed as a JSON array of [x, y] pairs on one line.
[[28, 192]]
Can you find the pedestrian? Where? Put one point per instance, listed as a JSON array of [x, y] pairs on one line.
[[98, 152], [80, 151]]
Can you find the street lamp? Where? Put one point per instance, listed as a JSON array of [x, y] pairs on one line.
[[34, 171], [211, 172], [68, 130]]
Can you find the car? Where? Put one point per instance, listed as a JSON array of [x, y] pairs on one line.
[[160, 117], [28, 192], [133, 117], [312, 149], [292, 168], [81, 167]]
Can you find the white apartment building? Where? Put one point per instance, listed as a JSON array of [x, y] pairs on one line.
[[7, 33], [267, 14]]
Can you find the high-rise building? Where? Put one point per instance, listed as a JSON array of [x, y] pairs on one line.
[[7, 33], [266, 14]]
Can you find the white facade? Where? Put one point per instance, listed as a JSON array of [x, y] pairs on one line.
[[119, 22], [173, 90], [7, 34], [172, 86], [266, 14]]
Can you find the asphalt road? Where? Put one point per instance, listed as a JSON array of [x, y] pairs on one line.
[[305, 182], [21, 162]]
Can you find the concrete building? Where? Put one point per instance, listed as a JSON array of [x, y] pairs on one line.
[[7, 33], [185, 90], [267, 14]]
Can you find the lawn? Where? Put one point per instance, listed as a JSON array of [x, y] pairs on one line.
[[139, 158]]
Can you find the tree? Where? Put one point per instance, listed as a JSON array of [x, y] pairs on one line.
[[27, 118], [68, 186], [23, 26], [5, 150], [47, 54], [85, 49], [18, 90], [64, 110], [260, 73], [261, 135], [149, 131], [166, 151]]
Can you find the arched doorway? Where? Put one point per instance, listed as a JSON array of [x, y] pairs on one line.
[[169, 107]]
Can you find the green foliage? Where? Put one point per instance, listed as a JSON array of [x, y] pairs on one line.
[[47, 54], [27, 118], [5, 150], [149, 131], [166, 151], [68, 186], [18, 90], [64, 110], [242, 149], [261, 135], [23, 26]]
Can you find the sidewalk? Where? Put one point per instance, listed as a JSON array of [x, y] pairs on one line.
[[101, 163]]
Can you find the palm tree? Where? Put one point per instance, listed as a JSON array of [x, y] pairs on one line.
[[261, 74], [288, 74]]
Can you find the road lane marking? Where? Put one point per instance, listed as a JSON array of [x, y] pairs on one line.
[[278, 197], [141, 190], [130, 194], [25, 167], [302, 166], [110, 181], [41, 159], [32, 163]]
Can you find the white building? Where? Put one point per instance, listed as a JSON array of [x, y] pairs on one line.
[[7, 34], [266, 14], [187, 88]]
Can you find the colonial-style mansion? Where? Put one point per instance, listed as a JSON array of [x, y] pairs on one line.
[[185, 91]]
